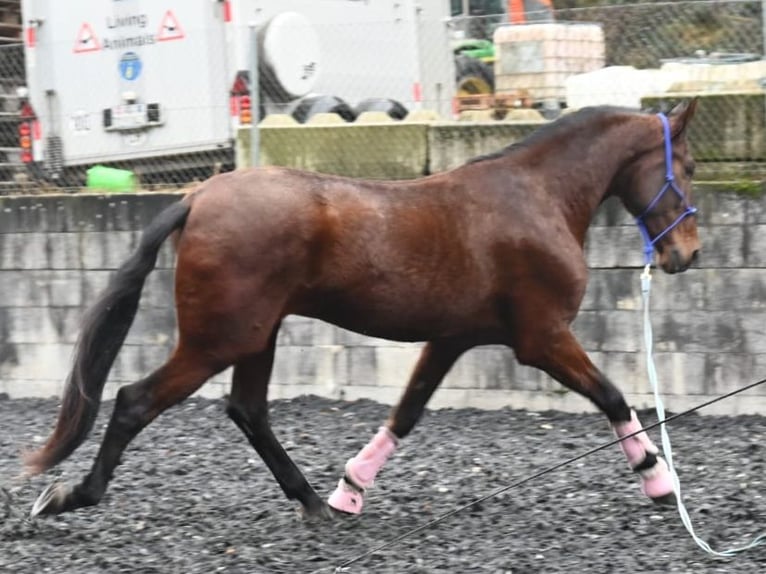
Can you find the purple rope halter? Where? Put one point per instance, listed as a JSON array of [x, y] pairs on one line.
[[670, 183]]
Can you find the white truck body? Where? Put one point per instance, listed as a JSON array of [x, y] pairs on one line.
[[127, 80]]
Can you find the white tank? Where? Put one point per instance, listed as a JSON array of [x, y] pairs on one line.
[[290, 55], [616, 86], [538, 58]]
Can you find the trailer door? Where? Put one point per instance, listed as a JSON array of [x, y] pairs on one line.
[[115, 80]]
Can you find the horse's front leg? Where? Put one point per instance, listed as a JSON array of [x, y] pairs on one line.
[[436, 359], [559, 354]]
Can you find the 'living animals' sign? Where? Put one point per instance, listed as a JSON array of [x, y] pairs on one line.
[[128, 31]]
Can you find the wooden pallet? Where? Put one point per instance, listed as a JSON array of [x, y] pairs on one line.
[[498, 102]]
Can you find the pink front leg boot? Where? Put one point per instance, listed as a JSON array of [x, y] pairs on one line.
[[641, 452], [361, 471]]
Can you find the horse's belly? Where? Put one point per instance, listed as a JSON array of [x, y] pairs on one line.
[[401, 319]]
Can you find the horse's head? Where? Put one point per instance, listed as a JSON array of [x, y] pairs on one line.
[[656, 188]]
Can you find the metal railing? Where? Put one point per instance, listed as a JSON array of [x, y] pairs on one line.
[[394, 64]]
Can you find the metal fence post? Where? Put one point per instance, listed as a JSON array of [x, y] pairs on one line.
[[255, 105], [763, 28]]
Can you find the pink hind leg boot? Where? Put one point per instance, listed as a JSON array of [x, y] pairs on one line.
[[656, 481], [361, 471]]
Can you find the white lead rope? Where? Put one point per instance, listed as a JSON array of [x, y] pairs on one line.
[[646, 284]]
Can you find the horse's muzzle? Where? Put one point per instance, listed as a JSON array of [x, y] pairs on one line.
[[676, 262]]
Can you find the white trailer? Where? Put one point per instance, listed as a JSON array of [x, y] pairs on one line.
[[131, 81]]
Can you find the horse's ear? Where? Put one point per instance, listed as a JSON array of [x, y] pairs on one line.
[[682, 114]]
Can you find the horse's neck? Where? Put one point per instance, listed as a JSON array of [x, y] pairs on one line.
[[581, 165]]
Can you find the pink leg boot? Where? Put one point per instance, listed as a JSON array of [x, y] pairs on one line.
[[656, 481], [361, 471]]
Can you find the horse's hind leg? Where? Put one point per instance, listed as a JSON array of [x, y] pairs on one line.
[[435, 361], [136, 406], [561, 356], [248, 408]]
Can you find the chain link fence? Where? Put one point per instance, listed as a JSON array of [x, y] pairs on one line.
[[12, 78], [160, 97]]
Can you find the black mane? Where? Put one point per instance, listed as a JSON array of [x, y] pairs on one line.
[[563, 124]]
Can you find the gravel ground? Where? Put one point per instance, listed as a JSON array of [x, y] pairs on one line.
[[192, 496]]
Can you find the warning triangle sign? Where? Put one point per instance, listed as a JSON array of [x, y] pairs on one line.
[[170, 29], [86, 40]]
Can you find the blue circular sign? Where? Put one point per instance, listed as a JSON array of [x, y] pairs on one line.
[[130, 66]]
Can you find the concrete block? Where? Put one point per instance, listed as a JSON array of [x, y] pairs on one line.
[[716, 208], [395, 365], [494, 367], [223, 378], [679, 292], [737, 291], [158, 290], [359, 366], [612, 289], [108, 249], [277, 120], [347, 338], [477, 116], [609, 331], [23, 251], [623, 369], [84, 212], [40, 325], [699, 332], [166, 258], [723, 246], [611, 247], [726, 127], [24, 388], [63, 250], [315, 366], [755, 246], [213, 390], [484, 368], [753, 326], [677, 373], [38, 362], [400, 150], [725, 372], [756, 208], [41, 288], [373, 118], [525, 115], [93, 282], [153, 327], [305, 332], [612, 213], [423, 116], [620, 289], [136, 361], [325, 119], [452, 144]]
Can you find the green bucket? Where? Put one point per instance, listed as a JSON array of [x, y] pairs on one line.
[[111, 179]]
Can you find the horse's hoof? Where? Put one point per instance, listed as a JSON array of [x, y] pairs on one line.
[[346, 498], [320, 512], [51, 500], [657, 483], [666, 500]]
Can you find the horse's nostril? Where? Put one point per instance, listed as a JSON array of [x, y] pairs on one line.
[[695, 257]]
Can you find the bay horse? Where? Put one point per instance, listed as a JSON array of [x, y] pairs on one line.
[[488, 253]]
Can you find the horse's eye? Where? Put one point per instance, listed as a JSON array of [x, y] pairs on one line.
[[689, 169]]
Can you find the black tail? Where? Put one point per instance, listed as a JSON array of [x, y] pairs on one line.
[[105, 326]]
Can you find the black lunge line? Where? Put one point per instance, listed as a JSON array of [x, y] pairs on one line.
[[532, 477]]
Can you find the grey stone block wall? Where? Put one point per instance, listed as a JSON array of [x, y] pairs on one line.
[[57, 253]]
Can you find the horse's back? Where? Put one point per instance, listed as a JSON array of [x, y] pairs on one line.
[[396, 259]]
